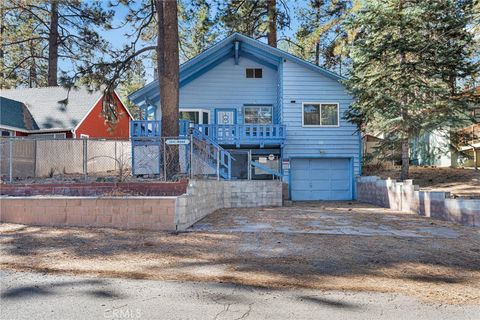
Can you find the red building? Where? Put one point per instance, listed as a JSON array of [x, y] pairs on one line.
[[57, 113]]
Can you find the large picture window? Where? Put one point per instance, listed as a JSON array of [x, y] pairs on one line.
[[257, 114], [320, 114]]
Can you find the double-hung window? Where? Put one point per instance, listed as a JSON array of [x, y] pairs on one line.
[[257, 114], [317, 114]]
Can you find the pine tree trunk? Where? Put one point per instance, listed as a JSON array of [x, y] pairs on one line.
[[317, 41], [169, 95], [2, 54], [272, 23], [32, 74], [168, 78], [405, 160], [53, 45], [317, 53]]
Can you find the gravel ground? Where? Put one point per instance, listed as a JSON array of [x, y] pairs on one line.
[[322, 246]]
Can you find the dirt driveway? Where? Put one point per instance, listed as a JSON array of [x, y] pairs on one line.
[[323, 246]]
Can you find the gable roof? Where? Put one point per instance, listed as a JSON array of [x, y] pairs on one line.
[[48, 112], [233, 46], [15, 115]]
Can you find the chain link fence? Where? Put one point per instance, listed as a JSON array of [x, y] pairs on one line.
[[29, 158], [174, 158], [165, 158]]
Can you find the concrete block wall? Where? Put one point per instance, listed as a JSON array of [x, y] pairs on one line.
[[149, 213], [406, 197], [205, 196], [202, 197]]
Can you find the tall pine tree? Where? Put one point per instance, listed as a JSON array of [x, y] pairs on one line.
[[408, 60], [321, 37], [52, 31]]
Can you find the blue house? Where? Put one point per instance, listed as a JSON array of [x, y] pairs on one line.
[[269, 108]]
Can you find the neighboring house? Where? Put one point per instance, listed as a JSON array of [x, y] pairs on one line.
[[440, 147], [245, 95], [15, 119], [470, 143], [38, 112]]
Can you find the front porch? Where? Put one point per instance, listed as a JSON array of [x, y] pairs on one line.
[[223, 134]]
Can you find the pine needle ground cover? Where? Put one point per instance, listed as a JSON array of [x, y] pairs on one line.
[[335, 246]]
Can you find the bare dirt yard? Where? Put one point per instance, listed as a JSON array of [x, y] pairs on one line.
[[322, 246], [460, 182]]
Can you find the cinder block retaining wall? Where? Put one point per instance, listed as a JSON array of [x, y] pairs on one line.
[[406, 197], [149, 213], [205, 196]]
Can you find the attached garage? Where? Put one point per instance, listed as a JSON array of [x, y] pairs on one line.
[[321, 179]]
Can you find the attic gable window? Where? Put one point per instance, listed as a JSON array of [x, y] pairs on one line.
[[254, 72]]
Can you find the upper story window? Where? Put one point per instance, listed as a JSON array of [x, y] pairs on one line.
[[254, 72], [320, 114], [257, 114]]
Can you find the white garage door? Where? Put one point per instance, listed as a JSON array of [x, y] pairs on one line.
[[321, 179]]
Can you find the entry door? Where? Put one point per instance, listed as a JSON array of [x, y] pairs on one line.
[[321, 179], [225, 118]]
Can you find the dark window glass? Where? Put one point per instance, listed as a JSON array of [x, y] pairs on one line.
[[258, 73], [258, 115], [329, 115], [189, 115], [311, 114], [249, 73], [205, 117]]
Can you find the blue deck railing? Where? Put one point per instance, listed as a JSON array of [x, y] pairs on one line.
[[235, 134], [145, 128]]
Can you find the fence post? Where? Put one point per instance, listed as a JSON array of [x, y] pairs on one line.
[[10, 164], [164, 158], [34, 158], [85, 158], [249, 165], [116, 159], [218, 164]]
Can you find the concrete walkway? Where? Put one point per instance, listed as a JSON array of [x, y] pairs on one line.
[[40, 296]]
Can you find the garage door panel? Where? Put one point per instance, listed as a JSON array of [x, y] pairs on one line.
[[302, 195], [321, 179]]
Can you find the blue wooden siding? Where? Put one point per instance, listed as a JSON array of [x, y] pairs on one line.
[[301, 84], [226, 86]]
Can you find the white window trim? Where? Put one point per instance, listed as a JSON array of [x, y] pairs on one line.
[[319, 125], [197, 110], [84, 136], [258, 106]]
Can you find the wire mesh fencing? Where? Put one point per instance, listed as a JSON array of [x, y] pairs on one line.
[[173, 158], [25, 158]]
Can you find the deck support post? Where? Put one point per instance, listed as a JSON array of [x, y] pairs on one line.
[[249, 165], [10, 164], [218, 164]]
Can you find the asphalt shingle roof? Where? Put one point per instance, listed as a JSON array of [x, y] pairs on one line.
[[15, 114], [47, 110]]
